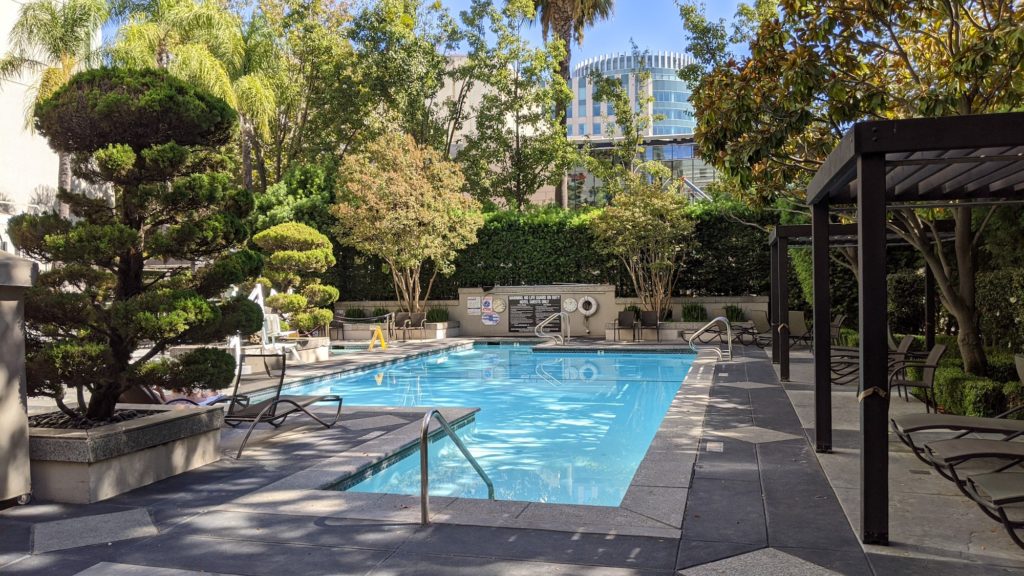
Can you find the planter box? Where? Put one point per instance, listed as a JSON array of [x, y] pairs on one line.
[[430, 331], [85, 466]]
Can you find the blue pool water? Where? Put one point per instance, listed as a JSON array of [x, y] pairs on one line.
[[564, 428]]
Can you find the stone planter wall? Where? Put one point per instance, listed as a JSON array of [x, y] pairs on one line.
[[85, 466]]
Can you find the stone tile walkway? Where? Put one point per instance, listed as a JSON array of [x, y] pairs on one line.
[[732, 451]]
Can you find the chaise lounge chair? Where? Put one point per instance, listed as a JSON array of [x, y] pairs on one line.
[[908, 425], [845, 361], [273, 410], [993, 493]]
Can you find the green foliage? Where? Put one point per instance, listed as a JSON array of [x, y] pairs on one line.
[[518, 146], [320, 295], [137, 108], [403, 204], [1001, 307], [378, 312], [153, 140], [647, 230], [735, 313], [311, 319], [437, 315], [728, 254], [906, 302], [355, 313], [287, 303], [296, 256], [304, 195], [199, 369], [694, 312]]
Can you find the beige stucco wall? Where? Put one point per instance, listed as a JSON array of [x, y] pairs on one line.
[[15, 276]]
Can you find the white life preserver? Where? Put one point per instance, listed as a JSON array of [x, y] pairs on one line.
[[587, 306], [588, 372]]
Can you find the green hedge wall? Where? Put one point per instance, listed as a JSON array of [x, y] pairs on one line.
[[1001, 307], [549, 245]]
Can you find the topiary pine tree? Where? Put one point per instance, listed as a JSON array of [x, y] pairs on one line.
[[296, 255], [152, 140]]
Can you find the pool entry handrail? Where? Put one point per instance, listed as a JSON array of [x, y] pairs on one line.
[[538, 329], [728, 330], [425, 458]]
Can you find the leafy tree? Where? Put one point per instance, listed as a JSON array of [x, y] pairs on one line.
[[517, 146], [304, 195], [296, 254], [566, 20], [153, 139], [648, 230], [814, 67], [210, 47], [403, 202], [51, 41]]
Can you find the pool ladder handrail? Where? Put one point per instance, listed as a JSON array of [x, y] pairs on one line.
[[706, 327], [425, 458], [538, 329]]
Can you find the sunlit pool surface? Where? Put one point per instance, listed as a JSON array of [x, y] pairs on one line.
[[562, 428]]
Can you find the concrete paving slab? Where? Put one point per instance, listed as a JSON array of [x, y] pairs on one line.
[[87, 530], [767, 562], [697, 552], [403, 564], [726, 511], [658, 503], [747, 385], [115, 569]]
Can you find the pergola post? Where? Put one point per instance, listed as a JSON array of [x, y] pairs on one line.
[[874, 399], [822, 329], [782, 246], [773, 304], [929, 309]]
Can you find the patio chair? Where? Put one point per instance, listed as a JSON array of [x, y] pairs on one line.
[[836, 329], [947, 456], [993, 493], [273, 410], [907, 425], [762, 330], [845, 364], [898, 375], [413, 322], [799, 332], [626, 319], [649, 319]]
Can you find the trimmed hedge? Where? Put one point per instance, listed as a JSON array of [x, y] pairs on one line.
[[1001, 307], [959, 393]]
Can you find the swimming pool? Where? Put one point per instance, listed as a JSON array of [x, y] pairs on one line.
[[565, 428]]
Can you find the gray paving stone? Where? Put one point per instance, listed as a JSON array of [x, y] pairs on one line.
[[725, 511], [309, 530], [666, 505], [207, 554], [433, 565], [696, 552], [114, 569], [670, 469], [15, 541], [737, 460], [767, 562], [755, 434], [849, 563], [87, 530], [904, 566], [544, 546]]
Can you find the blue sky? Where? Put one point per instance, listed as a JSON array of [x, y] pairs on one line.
[[653, 24]]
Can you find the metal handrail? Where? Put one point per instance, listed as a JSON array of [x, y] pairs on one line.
[[706, 327], [537, 330], [424, 459]]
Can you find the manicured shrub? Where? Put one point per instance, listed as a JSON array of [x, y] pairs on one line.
[[296, 255], [1001, 307], [735, 313], [355, 313], [437, 315], [694, 312]]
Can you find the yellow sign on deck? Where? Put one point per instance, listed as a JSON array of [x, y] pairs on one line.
[[378, 336]]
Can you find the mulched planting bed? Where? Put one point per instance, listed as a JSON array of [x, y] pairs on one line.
[[63, 421]]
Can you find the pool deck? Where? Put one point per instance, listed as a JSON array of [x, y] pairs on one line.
[[730, 485]]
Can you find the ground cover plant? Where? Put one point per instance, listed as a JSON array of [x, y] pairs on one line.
[[153, 142]]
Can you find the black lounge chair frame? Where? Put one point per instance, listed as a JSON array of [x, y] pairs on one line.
[[241, 410], [964, 426]]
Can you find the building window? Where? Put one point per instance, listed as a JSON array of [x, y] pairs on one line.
[[568, 112], [582, 83], [583, 129], [596, 109], [568, 130], [581, 110], [597, 128]]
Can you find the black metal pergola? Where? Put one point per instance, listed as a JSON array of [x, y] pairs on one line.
[[878, 166], [840, 236]]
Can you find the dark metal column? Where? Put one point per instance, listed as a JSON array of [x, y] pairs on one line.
[[773, 304], [783, 263], [822, 330], [874, 406], [929, 309]]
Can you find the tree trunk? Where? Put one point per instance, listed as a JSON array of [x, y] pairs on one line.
[[64, 179], [969, 337], [563, 29], [102, 403]]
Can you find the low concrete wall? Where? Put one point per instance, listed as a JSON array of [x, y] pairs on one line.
[[85, 466], [16, 275], [472, 325]]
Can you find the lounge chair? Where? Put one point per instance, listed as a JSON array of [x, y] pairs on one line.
[[649, 319], [273, 410], [413, 322], [845, 364], [762, 330], [836, 329], [141, 394], [799, 332], [906, 426], [898, 376], [993, 493], [626, 319]]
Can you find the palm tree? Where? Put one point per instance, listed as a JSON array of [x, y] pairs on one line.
[[205, 45], [50, 42], [567, 19]]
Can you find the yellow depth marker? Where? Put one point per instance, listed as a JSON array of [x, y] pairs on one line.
[[378, 336]]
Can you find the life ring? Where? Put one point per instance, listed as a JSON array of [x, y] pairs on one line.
[[588, 372], [588, 306]]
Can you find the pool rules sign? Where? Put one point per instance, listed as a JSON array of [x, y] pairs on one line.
[[526, 311]]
